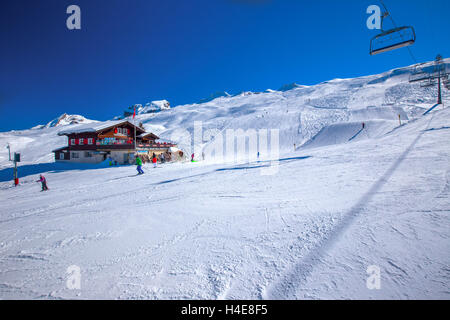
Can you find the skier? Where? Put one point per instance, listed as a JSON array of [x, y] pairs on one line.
[[139, 165], [192, 157], [363, 125], [258, 155], [43, 181], [154, 160], [162, 158]]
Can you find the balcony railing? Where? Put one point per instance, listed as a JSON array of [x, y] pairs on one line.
[[155, 145]]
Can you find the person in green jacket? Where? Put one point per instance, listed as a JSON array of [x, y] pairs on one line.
[[139, 165]]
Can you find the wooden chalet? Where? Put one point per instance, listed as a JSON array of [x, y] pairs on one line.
[[96, 142]]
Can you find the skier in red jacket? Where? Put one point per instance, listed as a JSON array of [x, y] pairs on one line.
[[43, 181], [154, 160]]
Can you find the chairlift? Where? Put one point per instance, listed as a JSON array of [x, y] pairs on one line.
[[438, 69], [447, 82], [427, 84], [418, 75], [392, 39], [446, 78]]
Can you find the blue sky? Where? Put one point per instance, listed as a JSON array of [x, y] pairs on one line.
[[135, 51]]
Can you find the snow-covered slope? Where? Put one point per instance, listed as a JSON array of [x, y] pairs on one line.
[[345, 201], [35, 145], [226, 231]]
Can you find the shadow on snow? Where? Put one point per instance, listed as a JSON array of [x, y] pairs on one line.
[[265, 163], [7, 174]]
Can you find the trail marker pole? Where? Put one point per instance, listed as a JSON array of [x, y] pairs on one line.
[[439, 88], [16, 159], [16, 180]]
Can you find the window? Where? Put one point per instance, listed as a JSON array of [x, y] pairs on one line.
[[119, 130], [81, 141], [87, 154], [75, 155], [72, 142], [90, 141], [61, 156]]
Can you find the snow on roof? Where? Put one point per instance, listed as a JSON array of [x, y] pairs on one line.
[[61, 149], [174, 149], [93, 127], [147, 134]]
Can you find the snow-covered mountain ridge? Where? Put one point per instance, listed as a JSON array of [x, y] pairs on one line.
[[299, 112], [64, 120]]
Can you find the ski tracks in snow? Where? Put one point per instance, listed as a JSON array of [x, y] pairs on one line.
[[297, 275]]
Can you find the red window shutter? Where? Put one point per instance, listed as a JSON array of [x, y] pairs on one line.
[[76, 141]]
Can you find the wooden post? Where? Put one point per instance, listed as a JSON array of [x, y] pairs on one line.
[[400, 120]]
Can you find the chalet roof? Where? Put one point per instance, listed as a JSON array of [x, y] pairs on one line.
[[96, 127], [61, 149], [148, 135]]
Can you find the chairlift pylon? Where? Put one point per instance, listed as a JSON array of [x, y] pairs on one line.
[[392, 39]]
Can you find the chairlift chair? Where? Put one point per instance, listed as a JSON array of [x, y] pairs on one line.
[[391, 39], [418, 75], [446, 82], [427, 84]]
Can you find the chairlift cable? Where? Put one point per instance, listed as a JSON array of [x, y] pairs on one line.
[[395, 26]]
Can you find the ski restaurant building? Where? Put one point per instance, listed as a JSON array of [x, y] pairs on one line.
[[96, 142]]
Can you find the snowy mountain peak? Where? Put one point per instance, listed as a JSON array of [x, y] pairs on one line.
[[66, 119], [155, 106], [150, 107]]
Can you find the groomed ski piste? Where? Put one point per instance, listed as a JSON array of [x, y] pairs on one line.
[[344, 200]]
